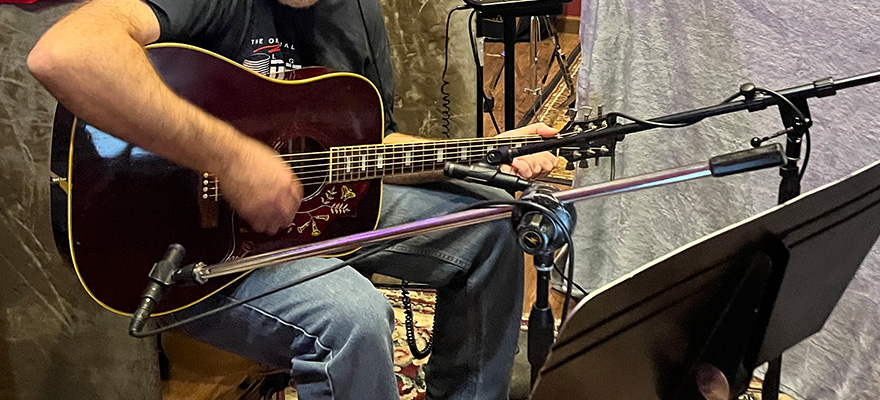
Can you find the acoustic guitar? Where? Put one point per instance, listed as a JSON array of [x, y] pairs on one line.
[[116, 207]]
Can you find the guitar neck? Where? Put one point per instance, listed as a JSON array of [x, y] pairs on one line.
[[355, 163]]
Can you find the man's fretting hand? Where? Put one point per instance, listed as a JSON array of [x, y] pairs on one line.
[[260, 186], [533, 165]]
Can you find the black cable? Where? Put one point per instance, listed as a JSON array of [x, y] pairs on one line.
[[237, 303], [807, 142], [788, 102], [784, 100], [417, 353], [610, 117], [566, 303], [803, 119], [565, 277], [445, 110]]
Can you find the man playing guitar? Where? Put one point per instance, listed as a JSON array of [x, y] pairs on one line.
[[333, 333]]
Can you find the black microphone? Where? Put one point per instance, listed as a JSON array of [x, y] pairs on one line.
[[161, 275], [487, 175]]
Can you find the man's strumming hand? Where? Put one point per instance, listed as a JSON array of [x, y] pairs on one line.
[[261, 187]]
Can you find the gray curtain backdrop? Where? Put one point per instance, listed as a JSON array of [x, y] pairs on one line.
[[651, 58]]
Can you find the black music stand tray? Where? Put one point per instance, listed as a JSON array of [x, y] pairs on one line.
[[735, 299]]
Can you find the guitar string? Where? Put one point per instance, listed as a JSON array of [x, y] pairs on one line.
[[429, 143], [367, 161], [435, 144], [387, 149], [397, 158], [416, 156], [214, 191], [369, 165], [445, 142], [348, 177], [428, 164]]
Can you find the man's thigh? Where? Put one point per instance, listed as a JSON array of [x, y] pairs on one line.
[[438, 257], [310, 318]]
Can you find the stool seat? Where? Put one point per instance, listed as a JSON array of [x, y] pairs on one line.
[[198, 370]]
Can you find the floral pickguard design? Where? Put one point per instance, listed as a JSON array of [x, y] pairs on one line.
[[334, 200], [316, 220]]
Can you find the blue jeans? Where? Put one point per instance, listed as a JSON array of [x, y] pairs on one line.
[[334, 332]]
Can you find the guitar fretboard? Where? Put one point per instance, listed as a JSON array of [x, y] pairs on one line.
[[355, 163]]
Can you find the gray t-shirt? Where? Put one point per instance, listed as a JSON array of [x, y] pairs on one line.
[[270, 38]]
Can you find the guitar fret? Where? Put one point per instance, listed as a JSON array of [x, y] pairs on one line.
[[371, 157], [330, 175], [349, 167], [397, 158]]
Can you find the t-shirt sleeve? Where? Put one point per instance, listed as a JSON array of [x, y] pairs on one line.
[[216, 25]]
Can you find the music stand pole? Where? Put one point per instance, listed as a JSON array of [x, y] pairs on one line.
[[789, 188]]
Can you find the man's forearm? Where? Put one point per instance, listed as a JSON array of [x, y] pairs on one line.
[[122, 94]]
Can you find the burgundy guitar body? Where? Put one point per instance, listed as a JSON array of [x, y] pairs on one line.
[[121, 206]]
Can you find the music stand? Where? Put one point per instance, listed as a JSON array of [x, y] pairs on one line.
[[735, 299]]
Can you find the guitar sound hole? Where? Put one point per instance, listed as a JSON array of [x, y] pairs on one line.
[[309, 161]]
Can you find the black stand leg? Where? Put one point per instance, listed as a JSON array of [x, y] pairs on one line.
[[770, 389], [509, 72], [540, 235], [789, 188], [541, 317]]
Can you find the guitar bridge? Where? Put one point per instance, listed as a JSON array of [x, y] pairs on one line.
[[209, 200]]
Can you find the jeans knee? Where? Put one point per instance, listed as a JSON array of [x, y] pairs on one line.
[[370, 317]]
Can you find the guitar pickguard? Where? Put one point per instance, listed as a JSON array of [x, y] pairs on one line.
[[321, 217], [336, 201]]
